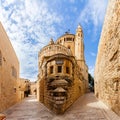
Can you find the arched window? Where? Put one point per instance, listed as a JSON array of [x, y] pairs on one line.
[[0, 58]]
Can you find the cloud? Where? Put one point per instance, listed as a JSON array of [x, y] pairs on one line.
[[93, 54], [94, 12], [72, 1], [29, 25]]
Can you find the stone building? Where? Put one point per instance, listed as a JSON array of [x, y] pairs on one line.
[[23, 88], [107, 69], [63, 73], [9, 72]]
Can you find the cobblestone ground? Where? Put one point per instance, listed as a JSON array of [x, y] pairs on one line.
[[86, 107]]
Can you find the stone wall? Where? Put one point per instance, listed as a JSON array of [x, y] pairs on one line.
[[9, 72], [107, 69]]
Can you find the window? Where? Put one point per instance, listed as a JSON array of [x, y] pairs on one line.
[[79, 34], [0, 58], [14, 72], [68, 39], [67, 70], [51, 69], [59, 69]]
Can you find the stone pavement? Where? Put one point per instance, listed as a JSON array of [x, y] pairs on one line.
[[86, 107]]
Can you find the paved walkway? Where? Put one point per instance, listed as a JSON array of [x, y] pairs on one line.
[[86, 107]]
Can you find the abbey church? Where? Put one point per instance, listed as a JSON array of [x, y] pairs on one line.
[[63, 73]]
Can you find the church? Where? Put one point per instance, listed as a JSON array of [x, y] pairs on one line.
[[63, 73]]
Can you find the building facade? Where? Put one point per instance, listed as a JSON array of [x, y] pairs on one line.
[[9, 72], [24, 88], [107, 69], [63, 73]]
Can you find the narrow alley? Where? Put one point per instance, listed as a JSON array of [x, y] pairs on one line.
[[86, 107]]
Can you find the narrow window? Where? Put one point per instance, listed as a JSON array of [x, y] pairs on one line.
[[59, 69], [14, 72], [79, 34], [67, 70], [51, 69], [0, 58]]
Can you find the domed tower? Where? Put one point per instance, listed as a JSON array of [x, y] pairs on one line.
[[79, 45]]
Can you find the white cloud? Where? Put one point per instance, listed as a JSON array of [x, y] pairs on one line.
[[28, 25], [94, 12], [93, 54]]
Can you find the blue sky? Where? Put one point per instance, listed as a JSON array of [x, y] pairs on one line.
[[31, 23]]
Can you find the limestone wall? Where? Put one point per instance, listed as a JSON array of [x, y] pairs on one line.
[[9, 72], [107, 69]]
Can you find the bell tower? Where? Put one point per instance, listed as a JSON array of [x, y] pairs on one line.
[[79, 45]]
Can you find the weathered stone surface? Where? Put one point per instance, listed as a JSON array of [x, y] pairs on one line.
[[107, 69]]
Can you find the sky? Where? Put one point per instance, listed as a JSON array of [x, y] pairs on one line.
[[30, 24]]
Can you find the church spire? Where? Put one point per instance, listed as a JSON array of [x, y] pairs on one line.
[[79, 30], [79, 26]]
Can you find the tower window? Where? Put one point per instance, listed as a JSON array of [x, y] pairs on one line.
[[0, 58], [67, 70], [59, 69], [51, 69], [80, 35]]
